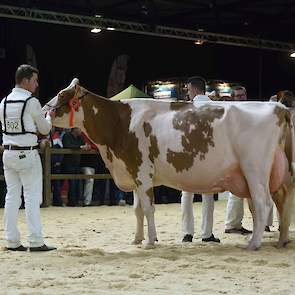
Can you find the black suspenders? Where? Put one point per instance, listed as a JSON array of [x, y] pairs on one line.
[[21, 118]]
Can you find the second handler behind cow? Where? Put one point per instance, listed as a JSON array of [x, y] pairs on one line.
[[196, 91]]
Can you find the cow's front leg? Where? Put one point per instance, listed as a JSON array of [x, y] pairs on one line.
[[146, 197], [139, 235]]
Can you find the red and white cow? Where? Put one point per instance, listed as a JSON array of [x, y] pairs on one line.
[[245, 148]]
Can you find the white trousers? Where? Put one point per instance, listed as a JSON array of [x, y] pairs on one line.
[[235, 213], [188, 214], [23, 169], [88, 185]]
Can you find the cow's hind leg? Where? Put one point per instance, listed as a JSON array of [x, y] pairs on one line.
[[139, 235], [261, 201], [284, 203]]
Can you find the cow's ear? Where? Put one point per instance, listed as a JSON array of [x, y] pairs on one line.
[[74, 82]]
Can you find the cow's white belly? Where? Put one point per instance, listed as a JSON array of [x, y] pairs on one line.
[[219, 178], [227, 178]]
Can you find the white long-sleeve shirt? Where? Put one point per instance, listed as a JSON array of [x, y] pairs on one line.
[[34, 118]]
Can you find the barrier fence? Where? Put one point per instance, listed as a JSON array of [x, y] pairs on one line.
[[46, 151]]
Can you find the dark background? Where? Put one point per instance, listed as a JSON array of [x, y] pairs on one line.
[[64, 52]]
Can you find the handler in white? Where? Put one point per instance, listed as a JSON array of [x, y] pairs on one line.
[[21, 117], [196, 92], [235, 205]]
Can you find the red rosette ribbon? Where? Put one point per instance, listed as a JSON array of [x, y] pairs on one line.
[[74, 104]]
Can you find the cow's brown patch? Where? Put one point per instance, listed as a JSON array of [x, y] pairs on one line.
[[180, 161], [196, 140], [282, 114], [109, 126], [150, 193], [154, 148], [147, 129], [138, 182]]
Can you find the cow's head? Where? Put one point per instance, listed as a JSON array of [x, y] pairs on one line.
[[287, 98], [67, 106]]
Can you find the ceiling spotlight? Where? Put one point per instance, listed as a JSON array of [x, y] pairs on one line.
[[292, 54], [199, 42], [110, 29], [96, 30]]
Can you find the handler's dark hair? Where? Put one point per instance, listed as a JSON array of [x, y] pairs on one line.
[[24, 71], [198, 82]]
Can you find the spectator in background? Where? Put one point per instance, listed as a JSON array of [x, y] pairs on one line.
[[89, 166], [71, 163], [99, 194], [56, 162]]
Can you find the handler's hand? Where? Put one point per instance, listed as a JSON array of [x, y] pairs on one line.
[[86, 147], [51, 113]]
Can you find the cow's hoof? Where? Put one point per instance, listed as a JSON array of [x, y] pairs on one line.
[[149, 246], [252, 247], [136, 242], [282, 244]]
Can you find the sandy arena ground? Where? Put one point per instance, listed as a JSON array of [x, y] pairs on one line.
[[95, 256]]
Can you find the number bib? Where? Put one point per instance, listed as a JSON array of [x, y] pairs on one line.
[[13, 125]]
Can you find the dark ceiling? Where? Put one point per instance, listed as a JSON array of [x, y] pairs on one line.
[[267, 19]]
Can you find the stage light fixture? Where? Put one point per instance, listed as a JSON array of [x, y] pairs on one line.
[[199, 42], [96, 30]]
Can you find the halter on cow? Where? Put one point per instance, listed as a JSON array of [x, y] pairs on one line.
[[245, 148]]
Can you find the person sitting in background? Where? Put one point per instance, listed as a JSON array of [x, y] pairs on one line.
[[71, 163]]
